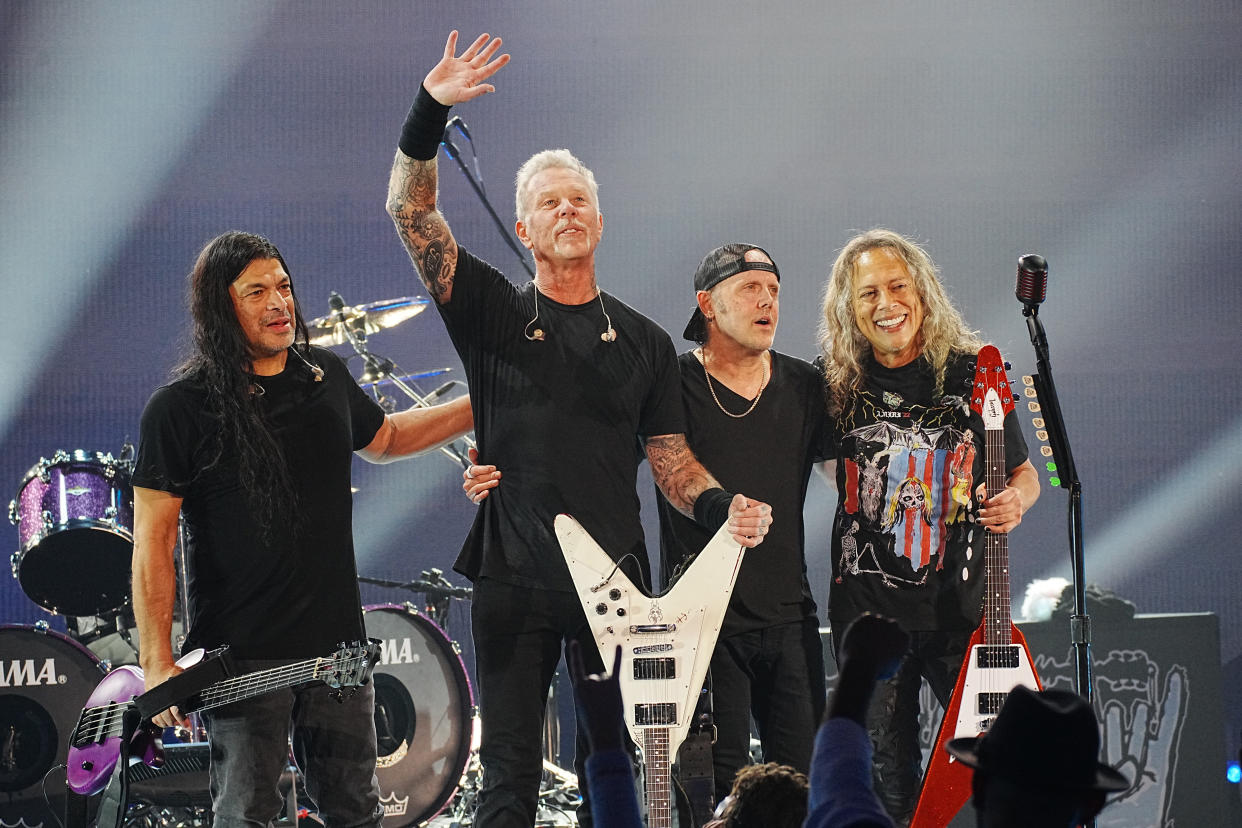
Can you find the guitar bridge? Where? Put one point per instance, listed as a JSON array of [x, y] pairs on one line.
[[653, 648]]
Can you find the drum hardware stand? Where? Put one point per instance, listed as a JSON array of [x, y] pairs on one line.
[[431, 583], [196, 732], [381, 369]]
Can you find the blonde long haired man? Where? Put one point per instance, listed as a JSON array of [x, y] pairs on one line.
[[898, 361]]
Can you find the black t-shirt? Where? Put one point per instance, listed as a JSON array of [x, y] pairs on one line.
[[559, 418], [767, 455], [295, 595], [905, 542]]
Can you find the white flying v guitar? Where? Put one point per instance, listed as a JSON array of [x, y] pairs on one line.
[[666, 644]]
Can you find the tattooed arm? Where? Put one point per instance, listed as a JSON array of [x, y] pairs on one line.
[[423, 231], [412, 184], [682, 479]]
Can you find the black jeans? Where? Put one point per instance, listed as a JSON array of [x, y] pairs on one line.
[[333, 741], [893, 718], [775, 675], [518, 638]]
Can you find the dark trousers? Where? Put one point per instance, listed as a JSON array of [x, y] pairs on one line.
[[775, 675], [893, 718], [518, 636], [333, 742]]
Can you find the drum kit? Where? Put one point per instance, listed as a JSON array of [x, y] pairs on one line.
[[74, 518]]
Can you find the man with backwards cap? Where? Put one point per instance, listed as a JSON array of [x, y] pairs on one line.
[[754, 417]]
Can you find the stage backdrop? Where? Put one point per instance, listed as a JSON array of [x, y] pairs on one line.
[[1103, 135]]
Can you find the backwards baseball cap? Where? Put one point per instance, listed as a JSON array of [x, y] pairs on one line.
[[723, 262], [1047, 739]]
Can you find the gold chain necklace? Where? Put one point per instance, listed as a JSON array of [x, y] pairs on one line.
[[712, 389]]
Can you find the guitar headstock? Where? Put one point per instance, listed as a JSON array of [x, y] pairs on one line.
[[350, 666], [991, 397]]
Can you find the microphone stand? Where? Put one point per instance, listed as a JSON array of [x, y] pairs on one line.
[[477, 186], [1058, 439]]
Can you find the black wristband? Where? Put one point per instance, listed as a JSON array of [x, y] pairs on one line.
[[711, 509], [424, 127]]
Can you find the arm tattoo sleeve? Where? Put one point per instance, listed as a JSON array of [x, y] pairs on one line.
[[678, 473], [423, 231]]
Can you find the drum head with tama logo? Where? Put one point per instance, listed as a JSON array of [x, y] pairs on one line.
[[45, 679], [424, 713]]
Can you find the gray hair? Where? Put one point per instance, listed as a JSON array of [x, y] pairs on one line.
[[546, 160]]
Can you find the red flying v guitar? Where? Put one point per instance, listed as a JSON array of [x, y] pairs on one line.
[[997, 659]]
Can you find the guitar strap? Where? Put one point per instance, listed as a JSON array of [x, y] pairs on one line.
[[182, 688], [115, 799], [695, 772]]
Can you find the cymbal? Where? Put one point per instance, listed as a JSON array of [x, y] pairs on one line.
[[374, 316], [367, 384]]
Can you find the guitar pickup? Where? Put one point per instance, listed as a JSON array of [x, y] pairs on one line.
[[990, 703], [639, 629], [664, 713], [94, 732], [655, 668], [997, 657]]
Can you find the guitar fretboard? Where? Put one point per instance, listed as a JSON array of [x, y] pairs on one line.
[[657, 773], [107, 721], [996, 614]]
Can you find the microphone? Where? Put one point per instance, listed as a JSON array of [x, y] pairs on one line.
[[337, 305], [356, 325], [1032, 282], [441, 391], [457, 122], [447, 141]]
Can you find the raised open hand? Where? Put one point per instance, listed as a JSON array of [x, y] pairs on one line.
[[456, 79]]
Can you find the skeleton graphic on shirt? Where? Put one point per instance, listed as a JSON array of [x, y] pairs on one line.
[[907, 484]]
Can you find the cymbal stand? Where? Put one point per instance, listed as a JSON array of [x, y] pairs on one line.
[[434, 586], [382, 369], [197, 731]]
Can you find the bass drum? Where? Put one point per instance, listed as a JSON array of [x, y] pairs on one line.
[[424, 714], [45, 679]]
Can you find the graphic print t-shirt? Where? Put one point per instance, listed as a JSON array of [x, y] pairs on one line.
[[905, 540]]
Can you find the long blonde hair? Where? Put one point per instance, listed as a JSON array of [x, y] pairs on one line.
[[843, 345]]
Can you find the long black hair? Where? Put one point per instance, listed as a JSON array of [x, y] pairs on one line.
[[221, 362]]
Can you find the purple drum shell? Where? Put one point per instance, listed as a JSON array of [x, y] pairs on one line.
[[76, 560]]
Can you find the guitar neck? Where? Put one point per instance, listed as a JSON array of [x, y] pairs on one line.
[[997, 622], [657, 776], [254, 684]]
